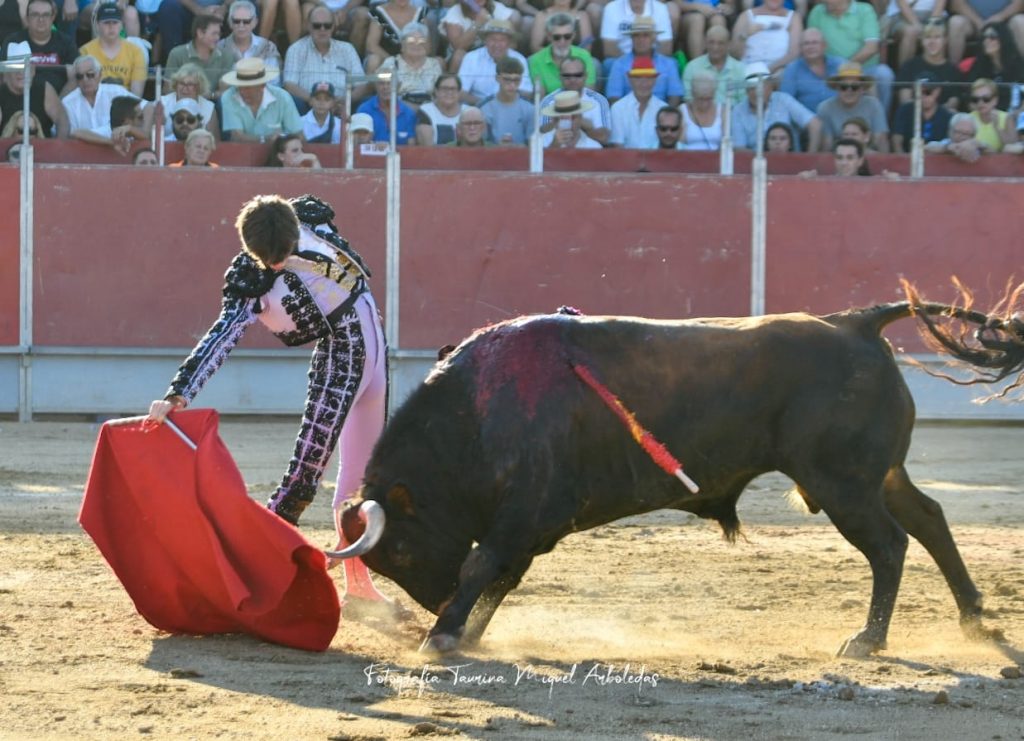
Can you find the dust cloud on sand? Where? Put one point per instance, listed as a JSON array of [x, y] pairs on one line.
[[651, 628]]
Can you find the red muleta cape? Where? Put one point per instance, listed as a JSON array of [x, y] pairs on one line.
[[193, 551]]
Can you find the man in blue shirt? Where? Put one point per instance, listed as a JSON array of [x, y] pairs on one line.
[[669, 87], [806, 77], [378, 108], [778, 107]]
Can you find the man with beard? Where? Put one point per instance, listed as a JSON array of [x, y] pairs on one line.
[[185, 118], [667, 125], [544, 65]]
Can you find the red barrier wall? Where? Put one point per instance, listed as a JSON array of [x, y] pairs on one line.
[[10, 247], [516, 159], [134, 256]]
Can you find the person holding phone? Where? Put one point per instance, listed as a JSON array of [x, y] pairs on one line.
[[567, 110]]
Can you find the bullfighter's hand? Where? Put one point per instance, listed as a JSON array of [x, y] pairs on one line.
[[160, 408], [332, 562]]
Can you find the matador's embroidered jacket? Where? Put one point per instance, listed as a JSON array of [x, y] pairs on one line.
[[303, 302]]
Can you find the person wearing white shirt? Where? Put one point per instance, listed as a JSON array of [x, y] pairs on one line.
[[596, 119], [319, 57], [567, 109], [479, 69], [243, 42], [618, 20], [634, 117], [88, 106]]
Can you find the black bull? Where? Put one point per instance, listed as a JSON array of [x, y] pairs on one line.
[[503, 450]]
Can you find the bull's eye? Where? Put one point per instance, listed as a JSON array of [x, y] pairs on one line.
[[399, 553]]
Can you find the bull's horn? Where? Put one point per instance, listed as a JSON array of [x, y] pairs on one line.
[[372, 514]]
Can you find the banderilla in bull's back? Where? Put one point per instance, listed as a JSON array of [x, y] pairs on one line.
[[507, 447]]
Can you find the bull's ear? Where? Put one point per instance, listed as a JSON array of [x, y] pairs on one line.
[[400, 500]]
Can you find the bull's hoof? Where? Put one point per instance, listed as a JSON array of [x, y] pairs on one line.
[[359, 609], [440, 644], [974, 630], [860, 646]]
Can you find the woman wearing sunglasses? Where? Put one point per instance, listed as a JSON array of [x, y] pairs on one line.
[[995, 127], [15, 126], [998, 62], [384, 37]]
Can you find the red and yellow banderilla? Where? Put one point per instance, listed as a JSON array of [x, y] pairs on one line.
[[658, 452]]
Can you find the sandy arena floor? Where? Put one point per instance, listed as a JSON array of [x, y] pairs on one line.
[[652, 628]]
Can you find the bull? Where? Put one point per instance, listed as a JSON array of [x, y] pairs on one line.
[[503, 450]]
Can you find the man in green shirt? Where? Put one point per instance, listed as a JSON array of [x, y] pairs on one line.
[[729, 71], [544, 65], [202, 50]]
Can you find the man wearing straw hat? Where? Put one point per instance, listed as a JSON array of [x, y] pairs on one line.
[[668, 87], [567, 110], [479, 69], [253, 109], [597, 120], [851, 83]]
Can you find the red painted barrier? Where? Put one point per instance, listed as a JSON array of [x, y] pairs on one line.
[[133, 257], [516, 159], [10, 277]]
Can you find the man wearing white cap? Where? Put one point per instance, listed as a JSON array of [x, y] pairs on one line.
[[779, 107], [361, 128], [479, 69], [185, 118], [567, 110], [254, 110]]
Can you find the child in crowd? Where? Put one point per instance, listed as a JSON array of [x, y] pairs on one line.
[[320, 125]]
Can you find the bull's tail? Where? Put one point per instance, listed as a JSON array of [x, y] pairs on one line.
[[993, 341]]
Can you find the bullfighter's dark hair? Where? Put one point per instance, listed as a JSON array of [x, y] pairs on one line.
[[268, 228]]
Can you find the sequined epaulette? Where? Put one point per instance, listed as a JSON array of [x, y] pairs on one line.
[[313, 213], [247, 277], [344, 273]]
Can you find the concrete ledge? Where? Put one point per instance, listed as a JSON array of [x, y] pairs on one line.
[[122, 381]]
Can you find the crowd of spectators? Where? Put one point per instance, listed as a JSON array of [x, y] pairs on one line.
[[645, 74]]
